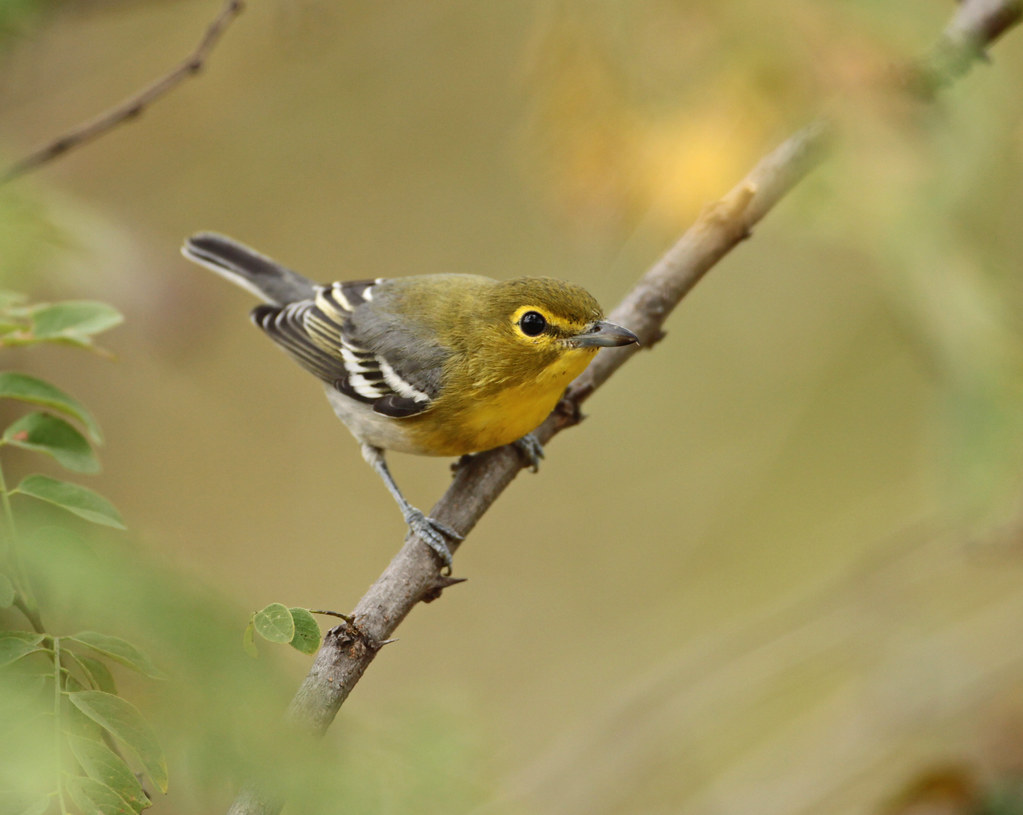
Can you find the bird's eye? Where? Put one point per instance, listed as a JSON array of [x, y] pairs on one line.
[[532, 323]]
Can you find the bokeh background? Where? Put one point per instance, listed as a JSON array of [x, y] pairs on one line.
[[777, 569]]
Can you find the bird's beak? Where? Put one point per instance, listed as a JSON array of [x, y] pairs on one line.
[[603, 334]]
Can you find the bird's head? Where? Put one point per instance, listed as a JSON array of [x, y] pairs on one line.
[[539, 328], [549, 316]]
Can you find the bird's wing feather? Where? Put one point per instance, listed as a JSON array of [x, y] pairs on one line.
[[322, 337]]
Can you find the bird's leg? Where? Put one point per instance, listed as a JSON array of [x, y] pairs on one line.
[[432, 532], [531, 450]]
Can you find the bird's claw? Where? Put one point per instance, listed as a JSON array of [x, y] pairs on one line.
[[531, 450], [432, 533]]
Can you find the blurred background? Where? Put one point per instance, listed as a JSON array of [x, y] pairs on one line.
[[777, 570]]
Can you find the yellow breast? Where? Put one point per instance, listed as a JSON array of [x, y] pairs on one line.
[[485, 420]]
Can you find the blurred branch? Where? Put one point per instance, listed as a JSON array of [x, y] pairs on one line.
[[975, 25], [412, 575], [134, 105]]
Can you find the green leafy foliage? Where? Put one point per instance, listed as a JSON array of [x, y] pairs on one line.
[[97, 673], [275, 623], [27, 388], [69, 676], [307, 632], [123, 721], [278, 623], [96, 798], [249, 640], [104, 766], [73, 322], [55, 437], [15, 645], [75, 499], [218, 722], [118, 650]]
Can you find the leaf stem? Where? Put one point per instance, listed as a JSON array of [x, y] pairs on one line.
[[25, 601], [58, 742]]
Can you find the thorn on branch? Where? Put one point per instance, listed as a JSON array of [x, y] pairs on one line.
[[569, 409], [661, 333], [440, 582], [460, 462]]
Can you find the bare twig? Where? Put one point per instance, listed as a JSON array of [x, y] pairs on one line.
[[976, 24], [134, 105], [412, 575]]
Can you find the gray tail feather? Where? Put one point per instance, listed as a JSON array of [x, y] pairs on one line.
[[245, 267]]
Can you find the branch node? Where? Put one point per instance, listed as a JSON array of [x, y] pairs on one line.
[[350, 637], [729, 212]]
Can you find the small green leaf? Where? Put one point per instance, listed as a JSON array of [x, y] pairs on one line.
[[35, 391], [17, 644], [96, 672], [7, 592], [102, 764], [55, 437], [275, 623], [249, 639], [123, 720], [75, 320], [120, 651], [307, 631], [74, 722], [81, 501], [96, 798]]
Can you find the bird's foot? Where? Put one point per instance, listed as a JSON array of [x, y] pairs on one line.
[[531, 450], [432, 533]]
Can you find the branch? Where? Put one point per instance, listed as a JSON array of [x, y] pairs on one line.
[[412, 575], [975, 25], [134, 105]]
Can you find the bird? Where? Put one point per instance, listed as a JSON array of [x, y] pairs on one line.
[[432, 364]]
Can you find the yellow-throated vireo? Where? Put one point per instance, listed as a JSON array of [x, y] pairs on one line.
[[438, 365]]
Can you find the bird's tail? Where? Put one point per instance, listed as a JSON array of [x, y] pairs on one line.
[[245, 267]]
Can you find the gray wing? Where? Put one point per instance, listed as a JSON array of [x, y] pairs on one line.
[[357, 346]]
